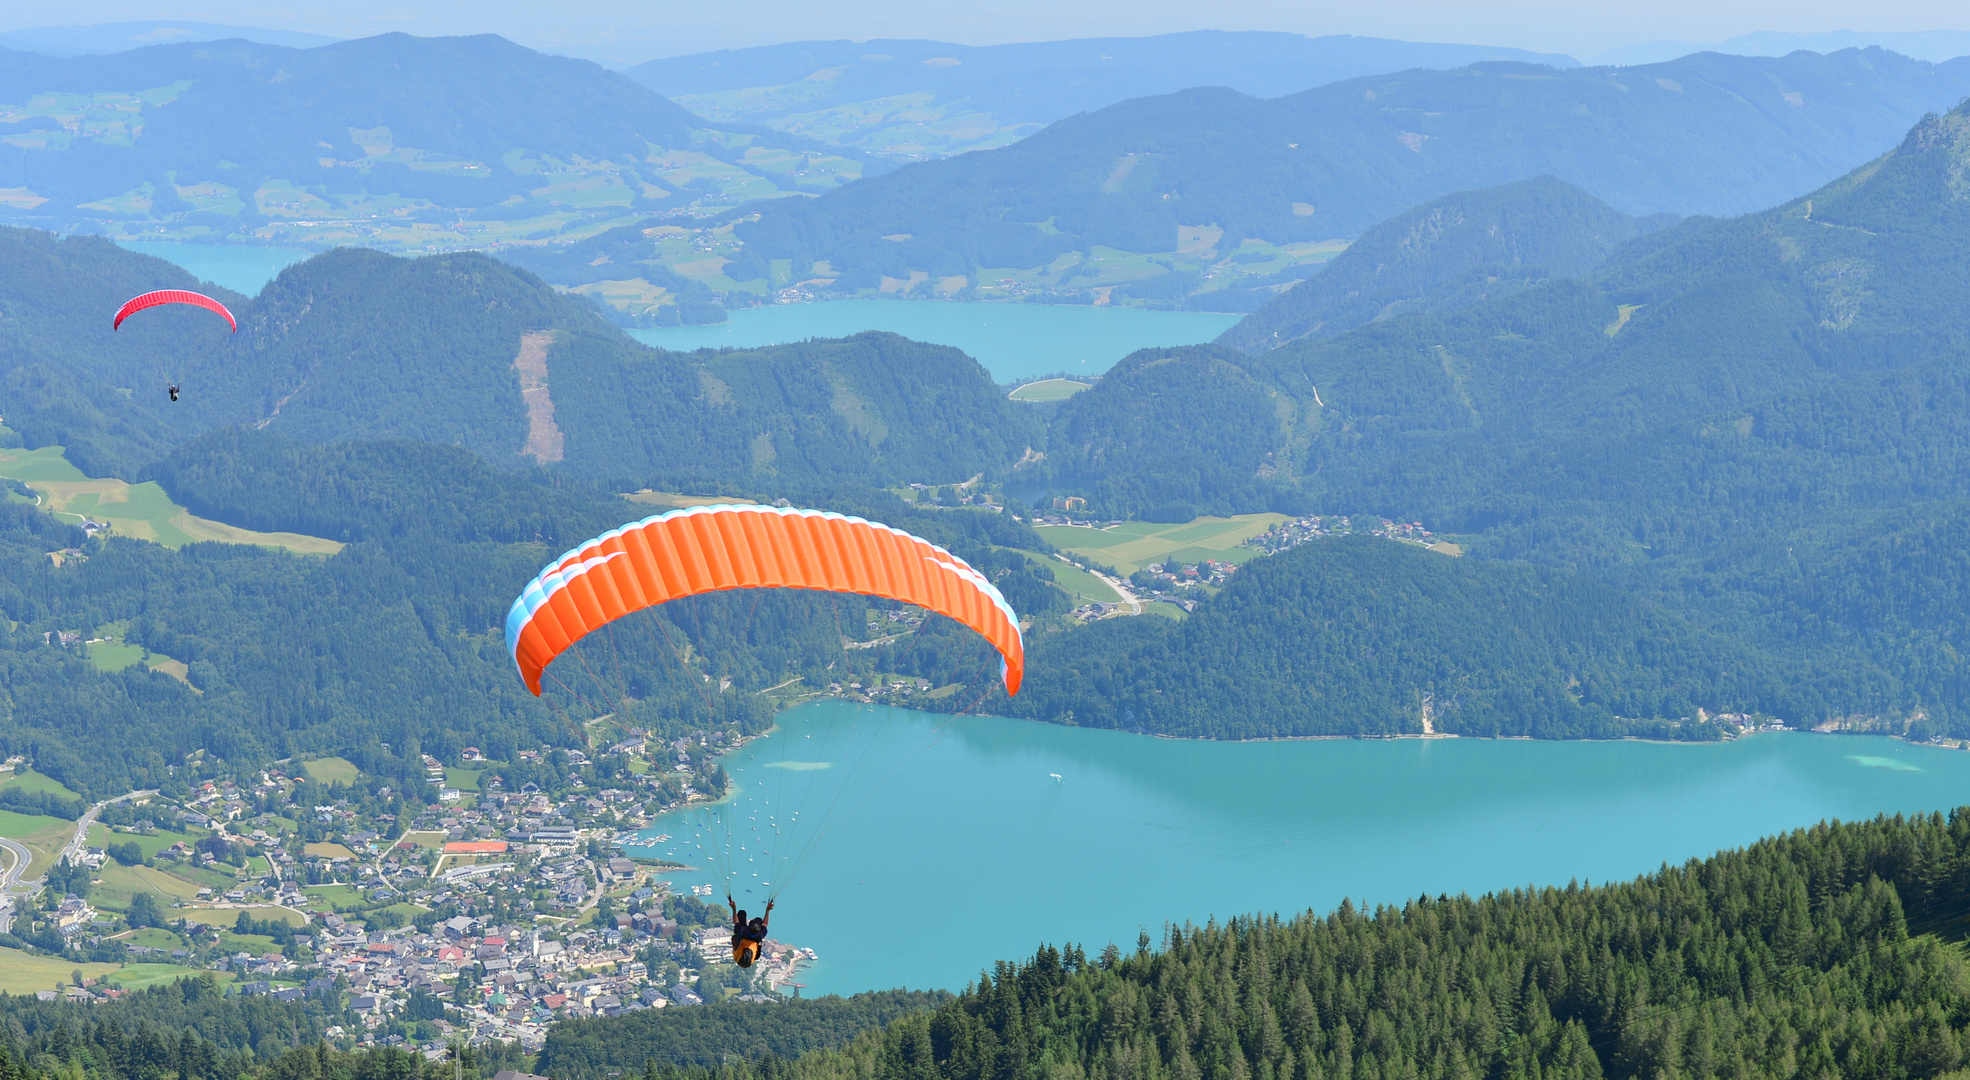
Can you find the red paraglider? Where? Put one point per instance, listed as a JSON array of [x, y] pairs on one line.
[[172, 296]]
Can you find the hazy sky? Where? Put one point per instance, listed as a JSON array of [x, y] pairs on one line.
[[634, 30]]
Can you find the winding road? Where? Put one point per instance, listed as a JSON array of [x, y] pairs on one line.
[[12, 889], [79, 844]]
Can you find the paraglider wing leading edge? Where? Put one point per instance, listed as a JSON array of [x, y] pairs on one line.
[[712, 548], [172, 296]]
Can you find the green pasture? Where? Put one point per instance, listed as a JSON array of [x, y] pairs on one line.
[[217, 881], [333, 896], [44, 836], [24, 778], [1132, 545], [24, 973], [223, 917], [331, 770], [1080, 584], [152, 937], [1049, 390], [119, 883], [139, 976], [141, 511]]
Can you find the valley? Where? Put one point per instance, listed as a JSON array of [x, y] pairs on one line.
[[1467, 544]]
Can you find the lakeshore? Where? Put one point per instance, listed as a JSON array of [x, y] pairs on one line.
[[959, 823]]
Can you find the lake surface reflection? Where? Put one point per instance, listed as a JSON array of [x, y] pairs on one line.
[[952, 844], [238, 267], [1013, 341]]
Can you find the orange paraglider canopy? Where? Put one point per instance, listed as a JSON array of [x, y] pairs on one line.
[[171, 296], [712, 548]]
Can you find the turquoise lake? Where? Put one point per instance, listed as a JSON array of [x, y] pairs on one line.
[[238, 267], [1013, 341], [957, 829]]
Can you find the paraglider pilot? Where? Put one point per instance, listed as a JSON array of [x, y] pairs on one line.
[[174, 391], [748, 935]]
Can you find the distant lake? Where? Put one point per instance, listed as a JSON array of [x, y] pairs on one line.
[[1013, 341], [238, 267], [955, 846]]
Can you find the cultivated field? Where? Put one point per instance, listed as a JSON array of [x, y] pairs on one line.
[[1132, 545]]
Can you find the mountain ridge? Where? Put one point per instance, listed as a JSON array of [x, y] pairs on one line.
[[1333, 161]]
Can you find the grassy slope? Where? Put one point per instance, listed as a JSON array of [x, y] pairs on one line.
[[45, 836], [1132, 545], [24, 973], [142, 511], [331, 770]]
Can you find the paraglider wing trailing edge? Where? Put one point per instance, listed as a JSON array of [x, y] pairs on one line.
[[713, 548], [172, 296]]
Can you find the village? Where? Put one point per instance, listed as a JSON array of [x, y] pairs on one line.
[[464, 911]]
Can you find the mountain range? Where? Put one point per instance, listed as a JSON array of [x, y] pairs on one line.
[[1448, 253], [1232, 188], [465, 350], [1698, 468], [927, 98], [390, 141]]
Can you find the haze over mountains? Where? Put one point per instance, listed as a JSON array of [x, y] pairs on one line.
[[1449, 253], [1706, 134], [926, 98], [466, 140]]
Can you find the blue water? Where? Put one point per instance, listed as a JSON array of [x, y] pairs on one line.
[[238, 267], [963, 836], [1013, 341]]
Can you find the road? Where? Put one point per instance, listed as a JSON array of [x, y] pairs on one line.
[[80, 842], [1121, 587], [12, 889]]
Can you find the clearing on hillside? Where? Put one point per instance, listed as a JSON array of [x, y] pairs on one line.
[[24, 778], [1049, 390], [1132, 545], [331, 770], [140, 511], [669, 500]]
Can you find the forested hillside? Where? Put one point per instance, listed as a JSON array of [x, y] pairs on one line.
[[1363, 636], [874, 407], [361, 140], [1830, 951], [1446, 254], [928, 98], [1755, 423], [354, 344], [397, 639], [1704, 134], [710, 1035]]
